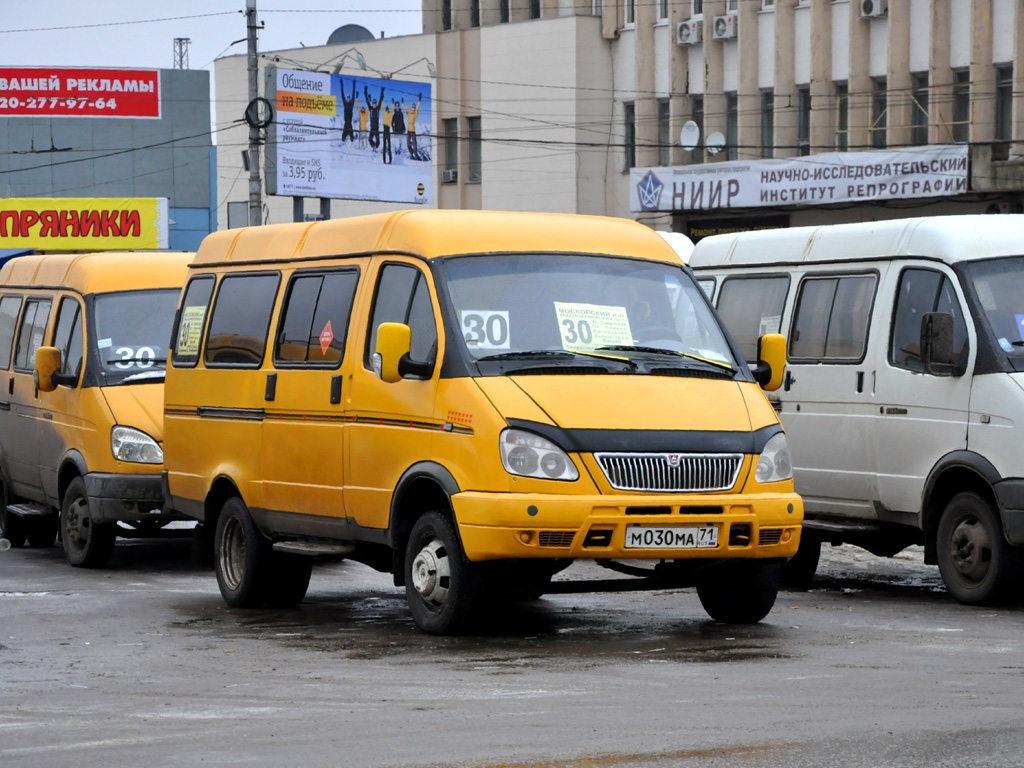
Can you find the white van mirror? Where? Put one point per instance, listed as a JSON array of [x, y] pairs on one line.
[[937, 343]]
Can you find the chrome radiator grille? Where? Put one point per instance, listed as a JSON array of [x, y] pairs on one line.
[[670, 471]]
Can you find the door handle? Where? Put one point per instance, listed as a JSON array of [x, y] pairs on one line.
[[789, 381], [47, 416], [335, 390], [271, 391], [860, 382]]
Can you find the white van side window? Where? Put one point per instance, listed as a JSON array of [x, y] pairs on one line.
[[831, 319], [752, 307], [921, 291], [9, 308]]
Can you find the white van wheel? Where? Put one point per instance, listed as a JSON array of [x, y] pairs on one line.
[[241, 557], [86, 544], [441, 588], [977, 565]]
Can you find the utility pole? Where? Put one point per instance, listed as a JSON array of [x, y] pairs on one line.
[[255, 201]]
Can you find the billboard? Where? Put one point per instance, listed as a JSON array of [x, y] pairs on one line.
[[84, 224], [358, 138], [824, 179], [64, 92]]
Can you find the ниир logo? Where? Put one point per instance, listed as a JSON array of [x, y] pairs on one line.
[[649, 191]]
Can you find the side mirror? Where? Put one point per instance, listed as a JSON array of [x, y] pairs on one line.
[[771, 361], [937, 343], [47, 364], [392, 362]]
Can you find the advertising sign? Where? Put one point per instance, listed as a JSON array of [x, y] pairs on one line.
[[835, 177], [84, 224], [359, 138], [60, 92]]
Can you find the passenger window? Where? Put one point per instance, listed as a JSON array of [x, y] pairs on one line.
[[30, 335], [921, 291], [831, 319], [315, 319], [68, 336], [189, 333], [751, 307], [9, 308], [240, 320], [403, 297], [707, 284]]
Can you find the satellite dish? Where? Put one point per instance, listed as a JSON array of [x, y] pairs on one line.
[[715, 143], [689, 135]]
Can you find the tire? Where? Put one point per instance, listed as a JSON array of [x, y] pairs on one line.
[[86, 544], [977, 564], [798, 573], [241, 557], [741, 593], [42, 531], [290, 579], [441, 588], [12, 527]]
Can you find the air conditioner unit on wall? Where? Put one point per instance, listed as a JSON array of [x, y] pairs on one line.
[[449, 176], [872, 8], [689, 32], [725, 27]]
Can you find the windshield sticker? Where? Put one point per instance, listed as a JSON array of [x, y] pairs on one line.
[[769, 324], [1005, 344], [104, 343], [132, 357], [485, 328], [590, 326], [190, 330]]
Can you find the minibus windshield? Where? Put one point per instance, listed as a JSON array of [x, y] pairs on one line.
[[999, 286], [561, 307], [133, 329]]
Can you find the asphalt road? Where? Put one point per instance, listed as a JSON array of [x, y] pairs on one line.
[[142, 664]]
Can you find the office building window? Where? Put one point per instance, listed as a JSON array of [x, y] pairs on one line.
[[630, 12], [597, 7], [697, 9], [803, 119], [961, 105], [662, 10], [503, 11], [1004, 103], [664, 134], [475, 149], [732, 126], [629, 140], [474, 13], [879, 110], [842, 117], [697, 115], [450, 128], [446, 14], [919, 110], [767, 123], [534, 9]]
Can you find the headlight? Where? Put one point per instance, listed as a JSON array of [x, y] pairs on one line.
[[775, 462], [129, 444], [524, 453]]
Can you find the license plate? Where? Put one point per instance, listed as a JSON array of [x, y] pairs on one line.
[[671, 537]]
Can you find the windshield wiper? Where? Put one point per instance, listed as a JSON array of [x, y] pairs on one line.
[[671, 352], [527, 355]]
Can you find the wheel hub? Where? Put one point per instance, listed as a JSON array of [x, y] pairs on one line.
[[75, 523], [431, 573], [972, 550]]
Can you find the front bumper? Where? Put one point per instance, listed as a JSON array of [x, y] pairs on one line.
[[501, 525], [114, 497]]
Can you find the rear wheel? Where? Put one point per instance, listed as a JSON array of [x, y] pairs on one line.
[[799, 571], [291, 575], [241, 557], [12, 526], [441, 587], [86, 544], [741, 593], [42, 531], [977, 564]]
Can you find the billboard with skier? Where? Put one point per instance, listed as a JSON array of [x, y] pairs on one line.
[[358, 138]]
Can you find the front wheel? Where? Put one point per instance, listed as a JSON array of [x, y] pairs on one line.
[[86, 544], [977, 564], [740, 593], [440, 586]]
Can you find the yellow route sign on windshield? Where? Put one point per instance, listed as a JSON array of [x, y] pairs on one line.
[[589, 326]]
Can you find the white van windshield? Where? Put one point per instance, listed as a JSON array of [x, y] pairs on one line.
[[521, 304], [132, 332], [999, 286]]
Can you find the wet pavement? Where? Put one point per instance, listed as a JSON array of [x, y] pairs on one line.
[[143, 664]]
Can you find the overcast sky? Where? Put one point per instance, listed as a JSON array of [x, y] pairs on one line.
[[129, 33]]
